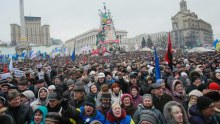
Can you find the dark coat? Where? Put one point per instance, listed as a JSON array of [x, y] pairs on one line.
[[138, 112], [129, 109], [21, 114], [198, 118], [76, 103], [160, 102]]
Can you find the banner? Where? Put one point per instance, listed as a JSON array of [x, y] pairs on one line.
[[18, 73], [5, 75]]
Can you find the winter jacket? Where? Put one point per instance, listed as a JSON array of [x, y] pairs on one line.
[[43, 110], [76, 103], [198, 118], [176, 96], [21, 114], [35, 104], [57, 108], [104, 110], [138, 99], [124, 119], [116, 98], [96, 116], [129, 109], [169, 117], [160, 102], [137, 114]]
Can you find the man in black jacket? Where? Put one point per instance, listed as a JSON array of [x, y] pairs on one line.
[[21, 114]]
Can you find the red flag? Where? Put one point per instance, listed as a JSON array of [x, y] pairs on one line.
[[169, 56], [5, 68]]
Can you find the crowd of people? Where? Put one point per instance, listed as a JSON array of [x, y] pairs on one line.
[[119, 89]]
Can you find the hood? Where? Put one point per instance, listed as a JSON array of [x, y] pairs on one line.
[[169, 117], [42, 88], [174, 83], [44, 110]]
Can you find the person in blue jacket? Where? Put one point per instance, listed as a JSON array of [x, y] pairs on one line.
[[89, 113], [39, 115]]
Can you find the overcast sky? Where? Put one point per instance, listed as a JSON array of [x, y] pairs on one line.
[[68, 18]]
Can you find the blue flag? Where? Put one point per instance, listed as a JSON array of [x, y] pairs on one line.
[[73, 54], [157, 67], [215, 43]]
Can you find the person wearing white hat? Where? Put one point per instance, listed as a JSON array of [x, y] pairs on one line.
[[27, 97], [101, 80]]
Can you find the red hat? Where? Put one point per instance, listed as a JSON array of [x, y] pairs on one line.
[[126, 95], [214, 86]]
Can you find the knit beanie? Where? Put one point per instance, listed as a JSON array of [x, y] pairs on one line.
[[148, 116], [149, 96], [203, 102], [70, 82], [90, 102], [214, 86], [195, 93], [126, 95]]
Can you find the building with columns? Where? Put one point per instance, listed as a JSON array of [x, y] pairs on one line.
[[35, 33], [188, 30], [89, 38]]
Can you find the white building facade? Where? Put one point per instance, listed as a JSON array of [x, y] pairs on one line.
[[88, 38]]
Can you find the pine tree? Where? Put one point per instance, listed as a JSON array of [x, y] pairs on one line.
[[143, 43]]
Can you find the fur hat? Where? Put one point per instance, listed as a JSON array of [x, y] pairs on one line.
[[203, 102], [148, 116], [214, 95], [194, 75], [168, 115], [195, 93]]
